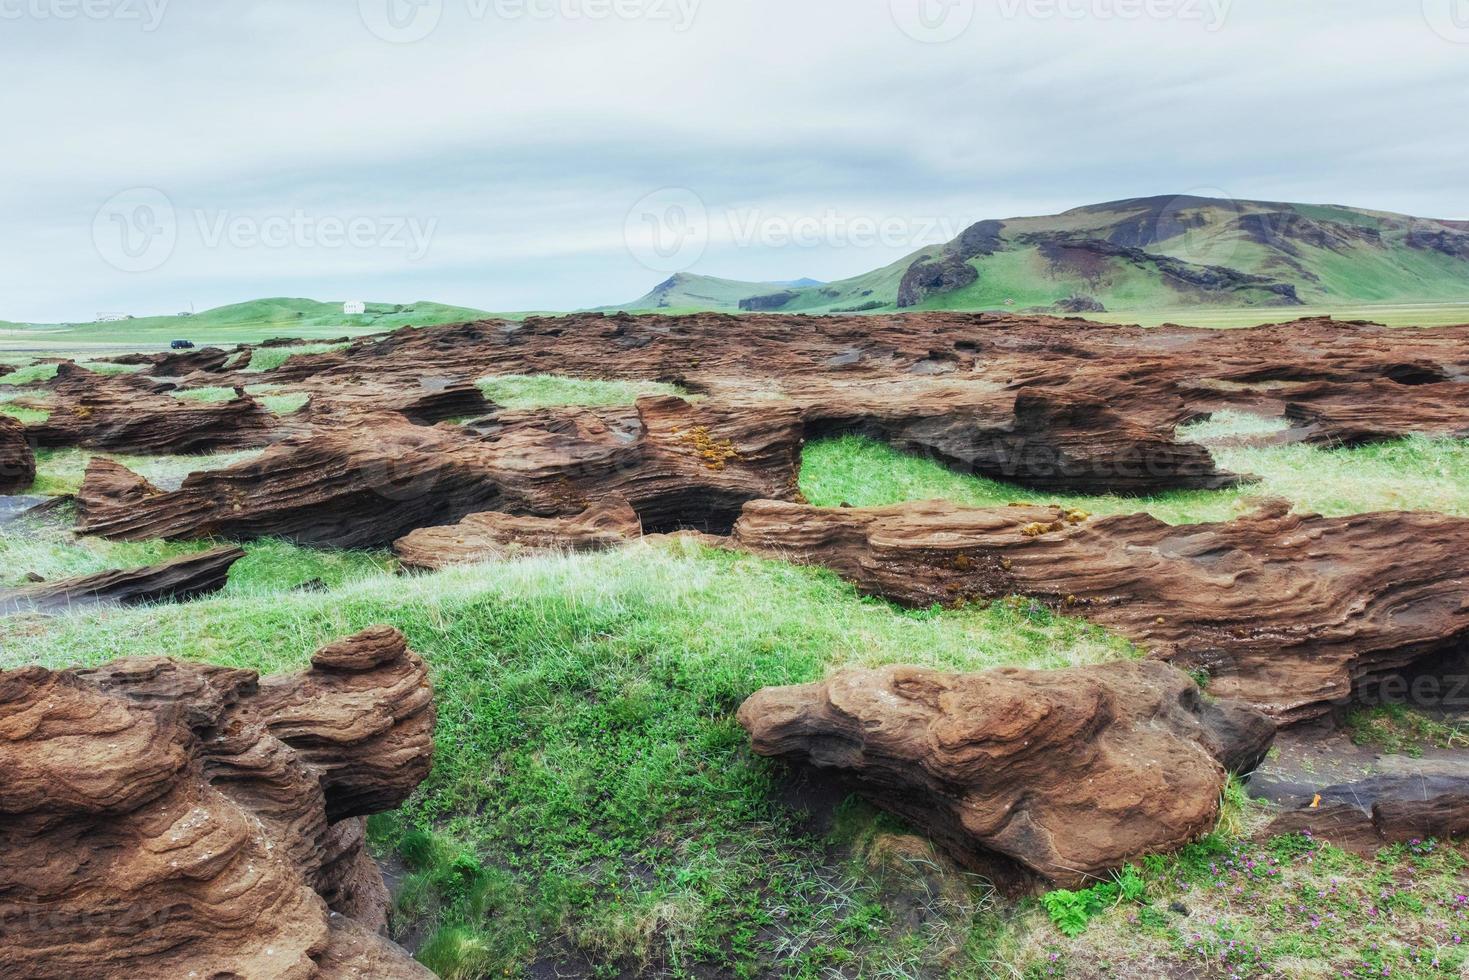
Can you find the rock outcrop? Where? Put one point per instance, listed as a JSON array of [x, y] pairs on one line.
[[164, 819], [367, 480], [187, 577], [1287, 612], [493, 536], [1067, 773], [124, 413], [17, 459]]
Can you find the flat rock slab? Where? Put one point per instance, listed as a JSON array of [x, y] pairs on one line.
[[1065, 774], [188, 577], [1361, 799], [1287, 612]]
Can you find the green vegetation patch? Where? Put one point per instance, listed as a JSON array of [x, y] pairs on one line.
[[1418, 473], [269, 395], [592, 796], [1287, 907], [1400, 730], [264, 359], [60, 471], [550, 390]]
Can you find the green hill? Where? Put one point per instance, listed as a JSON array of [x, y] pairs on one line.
[[240, 323], [686, 291], [1142, 255]]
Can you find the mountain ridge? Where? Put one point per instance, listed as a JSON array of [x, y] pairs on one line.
[[1136, 254]]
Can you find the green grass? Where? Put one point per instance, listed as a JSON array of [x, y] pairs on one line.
[[269, 358], [1400, 730], [550, 390], [60, 471], [1412, 474], [21, 412], [240, 323], [591, 789], [280, 404], [1286, 907]]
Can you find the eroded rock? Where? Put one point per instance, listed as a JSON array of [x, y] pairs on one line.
[[1288, 612], [368, 480], [183, 578], [17, 459], [167, 819], [494, 536], [1065, 773]]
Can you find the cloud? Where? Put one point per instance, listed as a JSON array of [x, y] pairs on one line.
[[523, 132]]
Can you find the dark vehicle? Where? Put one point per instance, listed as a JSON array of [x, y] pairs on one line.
[[182, 345]]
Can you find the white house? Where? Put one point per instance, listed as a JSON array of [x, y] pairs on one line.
[[354, 307]]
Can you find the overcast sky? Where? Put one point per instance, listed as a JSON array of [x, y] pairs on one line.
[[553, 154]]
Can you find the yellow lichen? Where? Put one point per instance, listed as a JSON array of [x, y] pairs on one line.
[[715, 453]]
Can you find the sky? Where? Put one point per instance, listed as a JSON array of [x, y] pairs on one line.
[[168, 155]]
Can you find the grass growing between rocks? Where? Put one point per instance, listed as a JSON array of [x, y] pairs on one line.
[[1288, 907], [264, 359], [60, 471], [593, 800], [1418, 473], [268, 395], [551, 390], [45, 548]]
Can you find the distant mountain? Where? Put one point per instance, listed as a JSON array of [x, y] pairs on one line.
[[1158, 253], [686, 291]]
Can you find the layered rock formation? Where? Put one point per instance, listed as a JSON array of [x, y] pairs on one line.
[[183, 578], [1287, 612], [164, 819], [367, 480], [1067, 774], [491, 536], [125, 413], [17, 459]]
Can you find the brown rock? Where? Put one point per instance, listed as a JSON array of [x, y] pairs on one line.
[[1286, 612], [181, 579], [128, 414], [491, 536], [17, 459], [368, 480], [163, 819], [1066, 773]]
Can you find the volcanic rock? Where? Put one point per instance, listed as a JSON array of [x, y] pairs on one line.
[[164, 819], [17, 459], [181, 579], [489, 536], [1287, 612], [363, 481], [123, 413], [1066, 773]]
